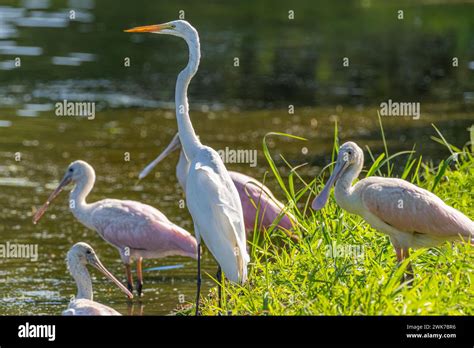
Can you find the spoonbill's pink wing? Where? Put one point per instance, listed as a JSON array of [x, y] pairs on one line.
[[410, 208], [254, 194], [140, 226]]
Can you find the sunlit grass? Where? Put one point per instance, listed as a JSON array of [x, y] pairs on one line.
[[287, 278]]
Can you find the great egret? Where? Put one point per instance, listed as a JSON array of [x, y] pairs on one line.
[[137, 230], [411, 216], [211, 197]]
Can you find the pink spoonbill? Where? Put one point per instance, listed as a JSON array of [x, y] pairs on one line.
[[411, 216], [253, 194], [78, 257], [211, 196], [137, 230]]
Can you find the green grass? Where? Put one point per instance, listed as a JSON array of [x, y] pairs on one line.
[[287, 278]]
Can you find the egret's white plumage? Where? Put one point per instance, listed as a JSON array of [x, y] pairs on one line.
[[214, 203], [211, 197]]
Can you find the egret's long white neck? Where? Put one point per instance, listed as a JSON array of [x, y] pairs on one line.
[[82, 277], [78, 195], [189, 140]]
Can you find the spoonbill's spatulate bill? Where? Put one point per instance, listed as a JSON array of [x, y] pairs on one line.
[[78, 257], [411, 216], [211, 196], [253, 194], [137, 230]]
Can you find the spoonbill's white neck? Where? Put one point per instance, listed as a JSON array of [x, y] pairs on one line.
[[343, 190], [189, 140], [78, 195], [82, 277]]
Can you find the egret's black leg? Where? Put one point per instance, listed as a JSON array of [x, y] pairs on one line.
[[198, 278], [219, 285]]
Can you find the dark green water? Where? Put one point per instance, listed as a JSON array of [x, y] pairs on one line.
[[282, 62]]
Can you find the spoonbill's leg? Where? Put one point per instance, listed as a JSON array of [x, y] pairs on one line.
[[129, 277], [409, 274], [198, 292], [402, 254], [399, 252], [400, 257], [139, 276], [219, 286]]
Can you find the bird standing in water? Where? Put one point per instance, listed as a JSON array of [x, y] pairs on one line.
[[137, 230], [211, 196]]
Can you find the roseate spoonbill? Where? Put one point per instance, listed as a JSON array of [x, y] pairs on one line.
[[137, 230], [211, 196], [411, 216], [253, 194], [78, 257]]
